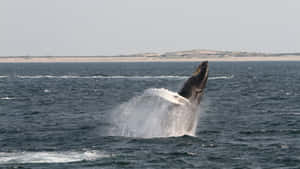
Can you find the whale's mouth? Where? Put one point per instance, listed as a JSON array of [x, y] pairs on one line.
[[194, 86]]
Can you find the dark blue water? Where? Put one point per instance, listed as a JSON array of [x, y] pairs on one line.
[[55, 116]]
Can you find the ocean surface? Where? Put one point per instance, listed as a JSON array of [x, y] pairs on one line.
[[109, 115]]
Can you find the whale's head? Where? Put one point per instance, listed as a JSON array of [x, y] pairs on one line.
[[193, 88]]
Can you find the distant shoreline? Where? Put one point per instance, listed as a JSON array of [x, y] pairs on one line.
[[143, 59]]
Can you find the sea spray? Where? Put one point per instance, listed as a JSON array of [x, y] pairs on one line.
[[155, 113]]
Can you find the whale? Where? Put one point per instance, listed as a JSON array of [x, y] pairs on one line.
[[187, 100], [160, 112], [193, 88]]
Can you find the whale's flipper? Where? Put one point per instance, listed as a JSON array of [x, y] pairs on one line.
[[193, 88], [171, 97]]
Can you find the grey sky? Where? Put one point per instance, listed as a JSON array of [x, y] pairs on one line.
[[111, 27]]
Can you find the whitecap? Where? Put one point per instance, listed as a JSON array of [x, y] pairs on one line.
[[49, 157], [6, 98], [221, 77], [46, 90]]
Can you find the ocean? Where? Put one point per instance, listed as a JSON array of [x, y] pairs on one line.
[[109, 115]]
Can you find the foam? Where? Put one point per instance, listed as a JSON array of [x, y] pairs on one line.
[[49, 157], [221, 77], [47, 91], [6, 98]]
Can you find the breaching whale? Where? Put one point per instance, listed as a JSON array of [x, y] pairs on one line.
[[187, 100], [161, 112], [193, 88]]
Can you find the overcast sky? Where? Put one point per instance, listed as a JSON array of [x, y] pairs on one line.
[[112, 27]]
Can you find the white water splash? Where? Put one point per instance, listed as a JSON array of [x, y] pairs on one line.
[[156, 113], [49, 157]]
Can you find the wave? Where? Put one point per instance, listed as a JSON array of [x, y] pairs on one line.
[[271, 131], [176, 77], [49, 157], [286, 114], [221, 77], [6, 98]]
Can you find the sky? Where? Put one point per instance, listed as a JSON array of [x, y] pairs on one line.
[[114, 27]]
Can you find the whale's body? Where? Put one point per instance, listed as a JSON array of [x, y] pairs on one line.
[[186, 102], [193, 90]]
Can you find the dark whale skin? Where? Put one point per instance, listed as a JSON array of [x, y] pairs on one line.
[[193, 88]]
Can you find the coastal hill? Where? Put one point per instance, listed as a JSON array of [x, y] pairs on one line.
[[198, 53]]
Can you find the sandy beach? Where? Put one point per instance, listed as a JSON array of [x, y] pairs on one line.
[[141, 59]]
